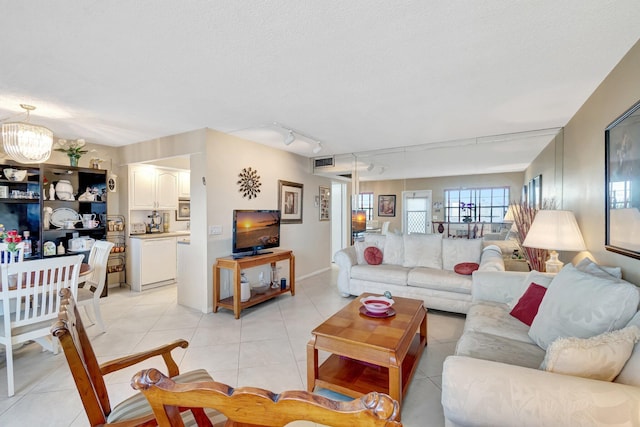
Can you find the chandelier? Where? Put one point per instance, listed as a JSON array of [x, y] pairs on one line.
[[25, 142]]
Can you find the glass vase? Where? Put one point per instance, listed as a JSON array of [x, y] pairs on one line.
[[73, 160]]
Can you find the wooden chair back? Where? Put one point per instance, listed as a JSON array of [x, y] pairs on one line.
[[82, 361], [255, 407], [98, 261], [30, 301]]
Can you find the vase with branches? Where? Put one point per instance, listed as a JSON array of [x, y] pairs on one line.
[[523, 216]]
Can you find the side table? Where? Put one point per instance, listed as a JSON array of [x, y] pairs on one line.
[[236, 265]]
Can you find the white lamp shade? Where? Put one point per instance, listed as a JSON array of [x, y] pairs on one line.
[[508, 217], [555, 230]]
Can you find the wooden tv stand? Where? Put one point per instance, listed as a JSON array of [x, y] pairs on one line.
[[237, 265]]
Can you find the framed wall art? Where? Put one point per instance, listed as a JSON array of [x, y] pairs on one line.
[[622, 187], [290, 202], [325, 204], [387, 205], [183, 213]]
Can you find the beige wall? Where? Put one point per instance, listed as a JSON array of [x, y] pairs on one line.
[[216, 159], [437, 186], [583, 186]]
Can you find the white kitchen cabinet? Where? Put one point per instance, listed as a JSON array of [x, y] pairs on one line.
[[152, 188], [153, 262], [184, 184]]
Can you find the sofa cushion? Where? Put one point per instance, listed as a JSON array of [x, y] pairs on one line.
[[466, 268], [383, 273], [455, 251], [493, 318], [600, 358], [582, 305], [491, 259], [591, 267], [631, 372], [423, 250], [435, 278], [369, 240], [528, 304], [542, 279], [373, 255], [393, 252], [480, 345]]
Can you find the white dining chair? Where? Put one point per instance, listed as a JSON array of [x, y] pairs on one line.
[[94, 284], [31, 289], [7, 256]]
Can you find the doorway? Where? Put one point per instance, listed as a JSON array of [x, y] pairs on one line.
[[339, 207], [416, 217]]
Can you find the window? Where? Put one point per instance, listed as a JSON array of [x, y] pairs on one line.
[[620, 194], [476, 204], [365, 203]]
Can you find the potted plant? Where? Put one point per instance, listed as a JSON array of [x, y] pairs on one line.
[[72, 148]]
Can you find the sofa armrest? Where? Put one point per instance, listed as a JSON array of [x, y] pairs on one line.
[[345, 259], [491, 259], [484, 393], [498, 286]]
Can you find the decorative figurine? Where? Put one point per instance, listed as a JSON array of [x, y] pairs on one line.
[[52, 192]]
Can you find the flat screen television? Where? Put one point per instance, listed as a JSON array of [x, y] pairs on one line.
[[255, 230]]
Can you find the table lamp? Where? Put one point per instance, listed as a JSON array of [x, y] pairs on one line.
[[554, 230]]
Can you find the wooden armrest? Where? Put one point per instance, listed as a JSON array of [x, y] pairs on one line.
[[250, 406], [132, 359]]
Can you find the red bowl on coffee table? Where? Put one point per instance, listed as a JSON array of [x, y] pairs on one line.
[[377, 304]]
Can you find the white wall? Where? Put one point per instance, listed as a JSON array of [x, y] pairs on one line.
[[226, 157]]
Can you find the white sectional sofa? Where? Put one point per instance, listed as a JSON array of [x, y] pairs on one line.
[[417, 266], [558, 371]]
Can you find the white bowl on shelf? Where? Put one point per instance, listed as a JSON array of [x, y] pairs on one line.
[[15, 174]]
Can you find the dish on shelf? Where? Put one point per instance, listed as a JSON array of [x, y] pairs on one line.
[[15, 174], [60, 215]]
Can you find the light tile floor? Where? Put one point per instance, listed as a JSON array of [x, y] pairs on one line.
[[265, 348]]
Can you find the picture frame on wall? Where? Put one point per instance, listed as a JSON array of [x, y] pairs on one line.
[[622, 172], [325, 204], [290, 202], [183, 213], [387, 205]]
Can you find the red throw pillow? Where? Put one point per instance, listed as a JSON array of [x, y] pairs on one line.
[[527, 306], [466, 268], [373, 255]]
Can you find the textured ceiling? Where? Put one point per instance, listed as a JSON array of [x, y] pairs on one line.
[[357, 75]]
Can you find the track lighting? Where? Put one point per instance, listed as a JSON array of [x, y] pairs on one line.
[[290, 138], [317, 148], [370, 167]]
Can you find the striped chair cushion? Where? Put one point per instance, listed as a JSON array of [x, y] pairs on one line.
[[137, 405]]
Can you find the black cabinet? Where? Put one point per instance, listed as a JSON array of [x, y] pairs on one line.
[[28, 204]]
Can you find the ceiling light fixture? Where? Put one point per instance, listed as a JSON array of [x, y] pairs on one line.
[[25, 142], [370, 167], [290, 138], [317, 148]]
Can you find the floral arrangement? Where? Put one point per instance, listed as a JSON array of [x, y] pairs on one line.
[[523, 216], [72, 148], [11, 238]]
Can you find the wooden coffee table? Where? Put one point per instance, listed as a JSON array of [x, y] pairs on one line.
[[368, 354]]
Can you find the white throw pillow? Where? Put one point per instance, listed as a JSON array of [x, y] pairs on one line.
[[393, 252], [423, 250], [630, 374], [591, 267], [455, 251], [582, 305], [600, 358]]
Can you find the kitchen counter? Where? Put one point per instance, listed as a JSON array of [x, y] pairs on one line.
[[160, 235]]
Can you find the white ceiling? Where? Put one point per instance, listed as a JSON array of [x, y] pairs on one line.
[[357, 75]]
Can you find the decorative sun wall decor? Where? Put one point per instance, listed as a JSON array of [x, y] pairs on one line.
[[249, 183]]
